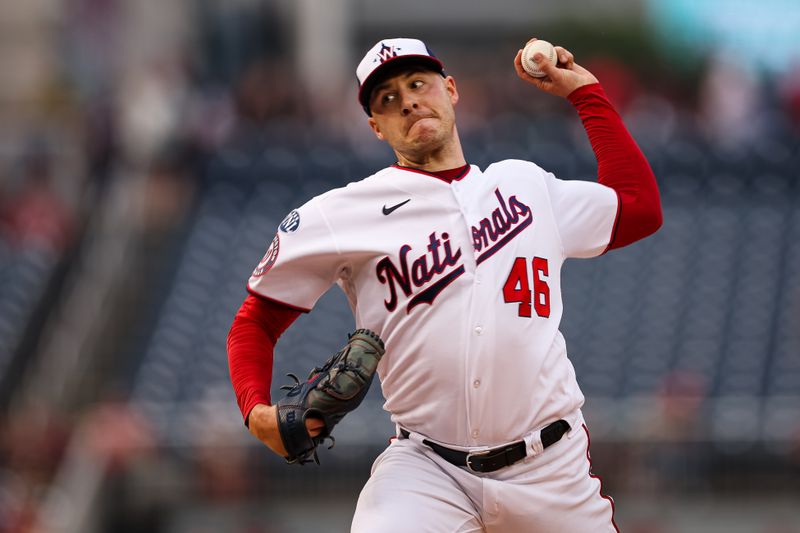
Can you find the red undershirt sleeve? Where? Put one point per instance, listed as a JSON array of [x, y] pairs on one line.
[[621, 165], [251, 343]]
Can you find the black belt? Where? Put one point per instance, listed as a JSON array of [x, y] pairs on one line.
[[495, 458]]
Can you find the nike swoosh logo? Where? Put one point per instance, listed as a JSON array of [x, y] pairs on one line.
[[389, 210]]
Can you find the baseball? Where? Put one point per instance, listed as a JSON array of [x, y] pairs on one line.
[[530, 50]]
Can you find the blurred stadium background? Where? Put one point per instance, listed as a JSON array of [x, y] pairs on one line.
[[148, 150]]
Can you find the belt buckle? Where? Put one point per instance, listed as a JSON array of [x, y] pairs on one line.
[[479, 453]]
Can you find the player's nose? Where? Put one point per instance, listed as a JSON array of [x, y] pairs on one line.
[[409, 103], [408, 107]]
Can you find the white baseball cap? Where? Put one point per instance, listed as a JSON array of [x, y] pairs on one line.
[[391, 52]]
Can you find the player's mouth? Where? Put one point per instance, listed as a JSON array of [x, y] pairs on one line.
[[417, 119]]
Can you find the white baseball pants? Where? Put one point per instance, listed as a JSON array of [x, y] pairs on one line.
[[413, 489]]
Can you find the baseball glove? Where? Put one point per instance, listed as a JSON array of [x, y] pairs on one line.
[[330, 392]]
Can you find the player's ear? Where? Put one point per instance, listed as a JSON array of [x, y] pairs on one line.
[[376, 129], [450, 86]]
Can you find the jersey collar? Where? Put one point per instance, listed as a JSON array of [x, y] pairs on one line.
[[448, 176]]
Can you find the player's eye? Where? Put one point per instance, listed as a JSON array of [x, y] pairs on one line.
[[416, 84], [388, 98]]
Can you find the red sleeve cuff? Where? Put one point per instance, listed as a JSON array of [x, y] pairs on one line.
[[583, 91], [251, 401]]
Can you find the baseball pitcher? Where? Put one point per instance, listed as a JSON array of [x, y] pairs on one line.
[[453, 274]]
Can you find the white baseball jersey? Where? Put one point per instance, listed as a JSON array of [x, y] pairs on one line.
[[462, 282]]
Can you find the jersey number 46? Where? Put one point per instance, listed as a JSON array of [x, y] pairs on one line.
[[517, 287]]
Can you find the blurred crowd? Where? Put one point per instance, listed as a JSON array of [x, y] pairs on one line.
[[106, 140]]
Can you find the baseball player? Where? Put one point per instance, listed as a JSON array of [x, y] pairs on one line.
[[457, 268]]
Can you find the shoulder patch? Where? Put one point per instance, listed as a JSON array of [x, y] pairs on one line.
[[269, 258], [291, 222]]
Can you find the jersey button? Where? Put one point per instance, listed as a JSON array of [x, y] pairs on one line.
[[478, 330], [475, 433], [476, 383]]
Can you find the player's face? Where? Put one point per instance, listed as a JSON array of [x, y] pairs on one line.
[[414, 111]]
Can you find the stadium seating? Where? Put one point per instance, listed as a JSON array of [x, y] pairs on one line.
[[25, 271]]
